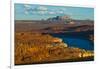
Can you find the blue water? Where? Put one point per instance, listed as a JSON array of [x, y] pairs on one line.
[[77, 41]]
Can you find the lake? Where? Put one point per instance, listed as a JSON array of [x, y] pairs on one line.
[[80, 40]]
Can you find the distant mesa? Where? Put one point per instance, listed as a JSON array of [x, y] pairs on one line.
[[65, 19]]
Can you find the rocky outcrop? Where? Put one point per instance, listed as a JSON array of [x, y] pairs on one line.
[[86, 54], [31, 49], [57, 40]]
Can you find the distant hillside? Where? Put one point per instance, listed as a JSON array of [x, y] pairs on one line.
[[55, 24]]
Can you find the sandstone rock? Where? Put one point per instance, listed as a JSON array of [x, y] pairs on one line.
[[56, 40]]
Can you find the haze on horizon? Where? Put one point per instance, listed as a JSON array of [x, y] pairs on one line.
[[39, 12]]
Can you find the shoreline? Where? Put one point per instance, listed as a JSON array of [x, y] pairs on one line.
[[39, 48]]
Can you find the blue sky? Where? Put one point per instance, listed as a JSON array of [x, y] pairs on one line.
[[38, 12]]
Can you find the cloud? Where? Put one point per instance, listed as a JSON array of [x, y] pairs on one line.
[[27, 6], [60, 12], [42, 8], [55, 12], [36, 9], [42, 12], [26, 12], [51, 12]]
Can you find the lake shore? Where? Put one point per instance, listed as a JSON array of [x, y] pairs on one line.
[[39, 48]]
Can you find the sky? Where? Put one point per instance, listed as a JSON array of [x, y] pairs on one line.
[[39, 12]]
